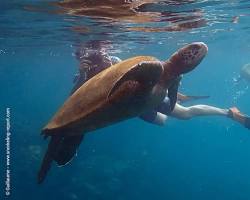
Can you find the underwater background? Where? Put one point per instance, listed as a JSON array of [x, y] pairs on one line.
[[202, 158]]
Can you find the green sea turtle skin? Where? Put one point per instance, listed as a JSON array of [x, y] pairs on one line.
[[122, 91]]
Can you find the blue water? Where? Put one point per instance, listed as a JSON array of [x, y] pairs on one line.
[[203, 158]]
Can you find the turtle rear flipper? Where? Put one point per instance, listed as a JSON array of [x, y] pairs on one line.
[[48, 158], [67, 149], [61, 150]]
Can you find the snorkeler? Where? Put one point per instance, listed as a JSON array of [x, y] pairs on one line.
[[94, 58]]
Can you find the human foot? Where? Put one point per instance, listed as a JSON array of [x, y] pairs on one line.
[[236, 115]]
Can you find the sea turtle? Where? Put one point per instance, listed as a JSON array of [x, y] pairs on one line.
[[122, 91]]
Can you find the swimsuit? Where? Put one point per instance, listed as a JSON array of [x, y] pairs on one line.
[[164, 108]]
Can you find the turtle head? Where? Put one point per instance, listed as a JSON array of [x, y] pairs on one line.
[[186, 58]]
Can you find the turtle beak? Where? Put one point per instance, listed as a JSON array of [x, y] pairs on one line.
[[189, 56]]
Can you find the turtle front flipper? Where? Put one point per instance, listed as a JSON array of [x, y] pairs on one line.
[[144, 73], [182, 98], [173, 92]]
